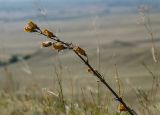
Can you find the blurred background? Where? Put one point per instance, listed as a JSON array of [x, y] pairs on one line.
[[108, 20], [124, 33], [96, 15]]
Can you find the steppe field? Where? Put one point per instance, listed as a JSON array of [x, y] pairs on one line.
[[117, 46]]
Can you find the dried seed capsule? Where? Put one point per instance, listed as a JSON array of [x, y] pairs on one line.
[[121, 107], [28, 29], [58, 46], [46, 44], [31, 27], [48, 33], [80, 51]]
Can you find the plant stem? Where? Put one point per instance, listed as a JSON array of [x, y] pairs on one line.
[[99, 76], [96, 73]]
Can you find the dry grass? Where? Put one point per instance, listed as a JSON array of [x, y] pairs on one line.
[[87, 98]]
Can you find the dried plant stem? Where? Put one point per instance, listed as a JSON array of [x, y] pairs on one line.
[[118, 81], [84, 100], [98, 57], [96, 73], [93, 100], [60, 90], [100, 77], [98, 97], [153, 79], [32, 27], [147, 25]]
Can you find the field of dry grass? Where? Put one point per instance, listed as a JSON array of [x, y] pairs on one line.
[[122, 41]]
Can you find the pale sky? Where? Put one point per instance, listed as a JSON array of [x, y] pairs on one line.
[[12, 0]]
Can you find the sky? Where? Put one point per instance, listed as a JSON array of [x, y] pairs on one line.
[[50, 0]]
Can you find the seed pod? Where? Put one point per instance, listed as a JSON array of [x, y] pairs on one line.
[[80, 51], [58, 46], [121, 107], [28, 29], [47, 33], [31, 27], [46, 44]]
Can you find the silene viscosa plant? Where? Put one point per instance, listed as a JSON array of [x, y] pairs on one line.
[[55, 43]]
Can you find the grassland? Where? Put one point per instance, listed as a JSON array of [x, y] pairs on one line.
[[122, 41]]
